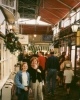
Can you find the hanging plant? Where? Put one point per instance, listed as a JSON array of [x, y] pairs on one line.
[[12, 43]]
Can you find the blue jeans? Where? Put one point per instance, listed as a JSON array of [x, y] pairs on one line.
[[51, 80], [23, 95]]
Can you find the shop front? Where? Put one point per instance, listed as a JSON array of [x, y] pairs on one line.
[[75, 53], [6, 57], [70, 43]]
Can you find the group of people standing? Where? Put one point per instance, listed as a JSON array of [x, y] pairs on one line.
[[31, 77], [41, 70]]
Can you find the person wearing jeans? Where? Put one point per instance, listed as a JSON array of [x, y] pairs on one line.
[[51, 70], [22, 82], [51, 76]]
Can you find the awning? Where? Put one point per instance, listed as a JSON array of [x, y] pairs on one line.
[[8, 14]]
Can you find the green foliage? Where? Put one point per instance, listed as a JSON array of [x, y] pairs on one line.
[[12, 43]]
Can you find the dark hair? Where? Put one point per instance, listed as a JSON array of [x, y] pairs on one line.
[[64, 53], [67, 58], [52, 52]]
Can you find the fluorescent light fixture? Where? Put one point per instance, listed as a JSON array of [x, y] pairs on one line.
[[32, 22]]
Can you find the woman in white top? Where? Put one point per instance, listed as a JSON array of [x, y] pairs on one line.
[[22, 82]]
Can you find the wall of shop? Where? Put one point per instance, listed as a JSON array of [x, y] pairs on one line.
[[7, 59]]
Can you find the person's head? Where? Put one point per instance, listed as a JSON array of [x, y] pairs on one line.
[[40, 53], [63, 53], [52, 52], [67, 58], [34, 62], [24, 66]]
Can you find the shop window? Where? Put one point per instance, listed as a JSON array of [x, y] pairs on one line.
[[73, 16], [73, 56], [8, 2], [4, 52], [78, 62], [78, 14], [78, 58]]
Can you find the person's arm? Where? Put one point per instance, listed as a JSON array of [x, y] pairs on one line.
[[72, 75], [62, 66], [29, 78], [17, 81], [71, 65], [47, 64]]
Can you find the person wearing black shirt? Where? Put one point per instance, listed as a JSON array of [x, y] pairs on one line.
[[36, 78], [52, 68]]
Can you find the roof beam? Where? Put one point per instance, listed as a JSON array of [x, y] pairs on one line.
[[53, 14], [59, 10], [43, 6], [64, 4], [47, 21], [76, 0], [69, 11], [54, 8]]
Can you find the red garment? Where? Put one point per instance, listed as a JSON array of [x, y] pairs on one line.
[[42, 61]]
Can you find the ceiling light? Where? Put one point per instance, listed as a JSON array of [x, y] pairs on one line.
[[35, 35]]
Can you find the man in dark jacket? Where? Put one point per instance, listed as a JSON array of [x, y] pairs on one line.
[[52, 67]]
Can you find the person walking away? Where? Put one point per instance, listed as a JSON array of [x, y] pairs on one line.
[[42, 62], [52, 67], [60, 72], [68, 75], [62, 57], [67, 61], [36, 78], [64, 64], [22, 82]]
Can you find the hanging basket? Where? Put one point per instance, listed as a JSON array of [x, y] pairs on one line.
[[12, 43]]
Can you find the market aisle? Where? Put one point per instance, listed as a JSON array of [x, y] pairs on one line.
[[60, 94]]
